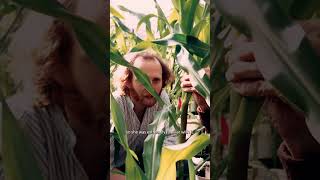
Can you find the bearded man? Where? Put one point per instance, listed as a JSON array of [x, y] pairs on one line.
[[138, 105]]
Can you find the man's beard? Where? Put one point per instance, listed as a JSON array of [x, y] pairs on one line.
[[147, 100]]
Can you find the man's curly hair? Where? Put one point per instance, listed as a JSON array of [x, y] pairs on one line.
[[123, 75], [56, 48]]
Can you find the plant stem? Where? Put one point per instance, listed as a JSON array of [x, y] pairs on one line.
[[240, 140], [184, 117], [183, 128]]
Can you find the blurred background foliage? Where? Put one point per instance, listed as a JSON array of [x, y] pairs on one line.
[[241, 159]]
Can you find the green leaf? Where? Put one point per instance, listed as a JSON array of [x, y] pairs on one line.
[[141, 46], [114, 12], [176, 4], [132, 168], [138, 15], [133, 171], [162, 21], [172, 154], [192, 170], [192, 44], [120, 39], [199, 27], [124, 28], [117, 58], [153, 143], [187, 16], [289, 64], [94, 46], [146, 19], [200, 79], [19, 161], [119, 122]]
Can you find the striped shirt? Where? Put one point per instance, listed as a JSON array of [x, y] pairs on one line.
[[136, 141], [53, 142]]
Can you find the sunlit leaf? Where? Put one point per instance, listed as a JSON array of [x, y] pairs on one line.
[[120, 39], [153, 143], [192, 44], [187, 15], [141, 46], [138, 15], [174, 16], [114, 12], [163, 27], [172, 154]]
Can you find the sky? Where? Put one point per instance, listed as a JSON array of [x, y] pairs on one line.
[[141, 6]]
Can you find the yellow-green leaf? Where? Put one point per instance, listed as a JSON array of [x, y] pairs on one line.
[[172, 154], [115, 13]]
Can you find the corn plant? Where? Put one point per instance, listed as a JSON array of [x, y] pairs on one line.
[[294, 77]]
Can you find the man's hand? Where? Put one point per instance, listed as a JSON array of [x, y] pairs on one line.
[[186, 85], [246, 79]]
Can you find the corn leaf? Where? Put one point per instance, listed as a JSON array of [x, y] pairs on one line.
[[18, 158], [192, 170], [114, 12], [119, 122], [133, 171], [172, 154], [192, 44], [153, 143], [141, 46], [200, 79], [94, 46], [163, 27], [120, 39], [187, 15], [117, 58]]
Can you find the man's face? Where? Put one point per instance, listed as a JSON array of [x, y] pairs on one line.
[[152, 68]]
